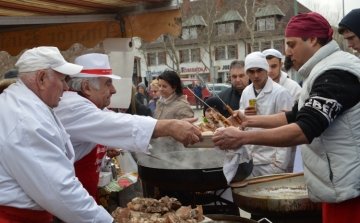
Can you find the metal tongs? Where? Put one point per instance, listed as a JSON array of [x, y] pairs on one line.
[[238, 120]]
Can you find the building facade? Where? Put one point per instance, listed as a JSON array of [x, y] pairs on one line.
[[214, 34]]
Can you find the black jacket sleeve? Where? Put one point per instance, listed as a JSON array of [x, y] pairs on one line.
[[332, 93]]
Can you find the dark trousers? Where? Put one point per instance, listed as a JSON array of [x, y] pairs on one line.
[[198, 102]]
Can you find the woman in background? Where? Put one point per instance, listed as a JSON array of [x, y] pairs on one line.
[[135, 107], [142, 95], [154, 86], [172, 103]]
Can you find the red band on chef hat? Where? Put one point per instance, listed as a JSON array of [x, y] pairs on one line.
[[309, 25], [97, 71]]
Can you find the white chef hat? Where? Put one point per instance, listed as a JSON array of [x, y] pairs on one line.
[[95, 65], [256, 59], [46, 57], [272, 52]]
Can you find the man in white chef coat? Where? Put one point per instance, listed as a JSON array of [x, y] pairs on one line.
[[271, 98], [92, 127], [36, 156]]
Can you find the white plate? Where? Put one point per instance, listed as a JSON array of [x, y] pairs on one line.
[[207, 143]]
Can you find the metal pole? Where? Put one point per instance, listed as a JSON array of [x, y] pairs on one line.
[[344, 40], [295, 7]]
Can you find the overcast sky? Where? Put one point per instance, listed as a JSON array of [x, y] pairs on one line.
[[331, 9]]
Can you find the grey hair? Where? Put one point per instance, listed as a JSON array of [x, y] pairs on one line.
[[237, 64], [30, 77], [75, 82]]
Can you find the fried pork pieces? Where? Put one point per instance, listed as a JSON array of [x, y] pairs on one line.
[[165, 210]]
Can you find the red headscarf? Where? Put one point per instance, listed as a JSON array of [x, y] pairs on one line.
[[309, 25]]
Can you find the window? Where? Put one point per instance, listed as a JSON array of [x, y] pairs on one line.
[[189, 33], [152, 59], [231, 53], [270, 23], [188, 84], [185, 34], [229, 28], [256, 47], [279, 45], [226, 29], [221, 53], [195, 55], [261, 24], [184, 56], [161, 58], [266, 24], [193, 33], [265, 45], [221, 29]]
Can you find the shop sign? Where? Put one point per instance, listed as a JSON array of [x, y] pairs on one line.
[[154, 73], [225, 67], [193, 69]]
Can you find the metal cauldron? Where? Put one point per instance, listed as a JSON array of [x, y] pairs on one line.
[[220, 218], [285, 197], [188, 170]]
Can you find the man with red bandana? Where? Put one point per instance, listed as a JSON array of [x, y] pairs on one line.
[[92, 127], [326, 120]]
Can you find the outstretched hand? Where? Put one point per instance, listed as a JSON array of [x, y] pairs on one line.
[[228, 138], [185, 132], [242, 118]]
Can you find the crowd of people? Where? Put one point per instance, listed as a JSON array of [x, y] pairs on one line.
[[56, 127]]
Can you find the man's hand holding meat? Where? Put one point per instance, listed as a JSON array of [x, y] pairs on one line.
[[228, 138]]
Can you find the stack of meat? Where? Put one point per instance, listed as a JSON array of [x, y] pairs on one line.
[[165, 210]]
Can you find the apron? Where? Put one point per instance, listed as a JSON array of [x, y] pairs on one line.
[[346, 211], [17, 215], [87, 170]]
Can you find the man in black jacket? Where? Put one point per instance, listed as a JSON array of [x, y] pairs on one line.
[[239, 81], [349, 28]]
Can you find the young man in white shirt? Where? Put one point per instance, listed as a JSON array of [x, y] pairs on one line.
[[273, 58]]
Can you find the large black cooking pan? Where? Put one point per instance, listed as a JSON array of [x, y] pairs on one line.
[[285, 198], [188, 170]]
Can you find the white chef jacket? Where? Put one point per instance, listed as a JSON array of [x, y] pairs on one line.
[[88, 126], [36, 161], [292, 86], [271, 100]]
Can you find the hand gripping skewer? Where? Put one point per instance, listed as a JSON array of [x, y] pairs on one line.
[[226, 106], [222, 118]]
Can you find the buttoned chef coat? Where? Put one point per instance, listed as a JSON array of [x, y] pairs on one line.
[[36, 161], [89, 125], [271, 100]]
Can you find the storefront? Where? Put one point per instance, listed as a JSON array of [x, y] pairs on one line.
[[192, 71]]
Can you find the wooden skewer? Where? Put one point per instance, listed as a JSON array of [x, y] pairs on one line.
[[264, 179], [232, 113], [222, 118], [237, 119]]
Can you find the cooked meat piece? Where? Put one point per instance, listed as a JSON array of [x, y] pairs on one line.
[[172, 218], [161, 220], [121, 215], [134, 206], [184, 212], [200, 215]]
